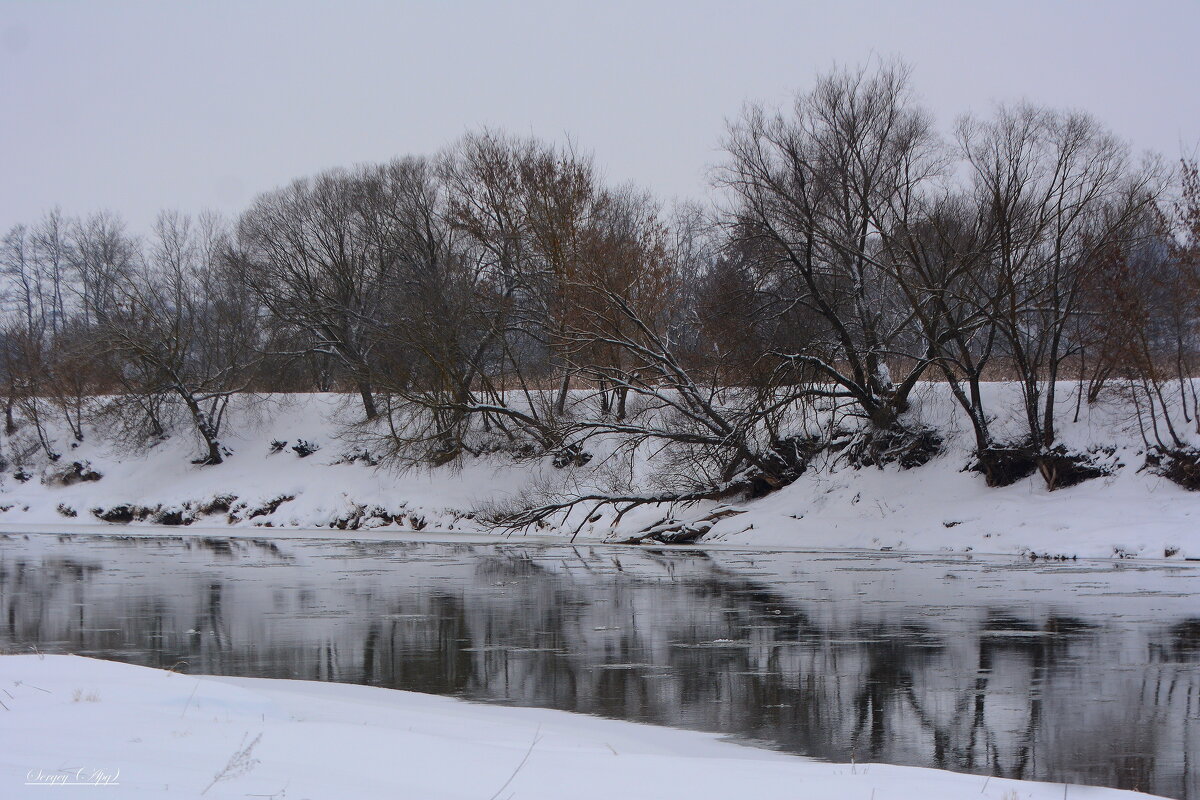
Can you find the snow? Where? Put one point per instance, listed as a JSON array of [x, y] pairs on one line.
[[939, 507], [136, 732]]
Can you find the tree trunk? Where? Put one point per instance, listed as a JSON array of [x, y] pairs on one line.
[[560, 405], [204, 428], [368, 400]]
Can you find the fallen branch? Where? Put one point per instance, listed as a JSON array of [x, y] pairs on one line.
[[622, 503], [673, 531]]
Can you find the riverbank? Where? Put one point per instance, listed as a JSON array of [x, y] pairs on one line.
[[267, 483], [157, 733]]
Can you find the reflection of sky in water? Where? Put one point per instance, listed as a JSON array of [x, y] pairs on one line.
[[1081, 672]]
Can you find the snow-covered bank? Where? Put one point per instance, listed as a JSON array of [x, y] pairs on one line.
[[155, 733], [936, 507]]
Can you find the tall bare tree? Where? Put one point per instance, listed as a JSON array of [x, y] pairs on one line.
[[813, 192], [307, 255], [1057, 192]]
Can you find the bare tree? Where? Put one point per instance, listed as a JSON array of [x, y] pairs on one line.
[[305, 252], [1057, 192], [103, 256], [184, 331], [1147, 331], [813, 192], [27, 336]]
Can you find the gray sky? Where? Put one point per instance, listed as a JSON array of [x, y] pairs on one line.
[[141, 106]]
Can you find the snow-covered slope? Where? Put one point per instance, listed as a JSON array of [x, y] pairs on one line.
[[135, 732], [939, 506], [320, 491]]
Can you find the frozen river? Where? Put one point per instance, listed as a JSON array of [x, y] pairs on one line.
[[1084, 672]]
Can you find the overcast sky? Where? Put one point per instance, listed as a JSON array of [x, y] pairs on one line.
[[141, 106]]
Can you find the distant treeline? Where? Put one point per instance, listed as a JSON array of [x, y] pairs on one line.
[[501, 295]]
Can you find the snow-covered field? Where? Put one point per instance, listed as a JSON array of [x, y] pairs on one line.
[[128, 731], [937, 507]]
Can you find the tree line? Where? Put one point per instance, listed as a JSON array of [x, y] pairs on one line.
[[503, 296]]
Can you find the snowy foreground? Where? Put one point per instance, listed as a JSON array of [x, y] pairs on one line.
[[136, 732], [934, 508]]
